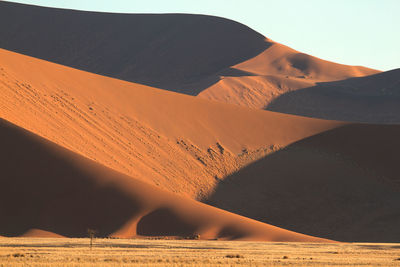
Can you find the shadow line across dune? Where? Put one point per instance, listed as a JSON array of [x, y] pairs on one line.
[[42, 186], [167, 51], [46, 189], [342, 184], [370, 99]]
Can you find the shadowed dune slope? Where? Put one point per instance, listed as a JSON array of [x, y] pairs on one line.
[[44, 186], [162, 50], [372, 99], [217, 58], [181, 143], [276, 71], [341, 184]]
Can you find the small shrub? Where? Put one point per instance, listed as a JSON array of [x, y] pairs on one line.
[[194, 236], [237, 256]]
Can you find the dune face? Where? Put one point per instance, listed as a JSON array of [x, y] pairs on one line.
[[341, 184], [276, 71], [188, 145], [168, 51], [180, 143], [370, 99], [46, 190], [43, 186], [80, 150], [37, 233], [215, 58]]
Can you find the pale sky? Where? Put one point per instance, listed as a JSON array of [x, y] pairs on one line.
[[354, 32]]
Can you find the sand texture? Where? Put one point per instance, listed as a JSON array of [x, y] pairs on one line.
[[215, 58]]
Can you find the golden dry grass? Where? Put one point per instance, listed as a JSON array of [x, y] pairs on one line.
[[140, 252]]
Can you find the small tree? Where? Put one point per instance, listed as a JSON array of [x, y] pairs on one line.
[[91, 234]]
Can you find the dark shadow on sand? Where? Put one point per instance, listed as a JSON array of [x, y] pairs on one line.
[[50, 188], [342, 184], [369, 99], [176, 52]]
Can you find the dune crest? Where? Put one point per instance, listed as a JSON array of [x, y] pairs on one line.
[[369, 99], [274, 72], [342, 184], [140, 48], [40, 233], [214, 58]]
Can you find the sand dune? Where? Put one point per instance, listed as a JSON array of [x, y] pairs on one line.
[[212, 57], [276, 71], [47, 189], [370, 99], [40, 233], [167, 51], [181, 143], [323, 178], [341, 184], [189, 145]]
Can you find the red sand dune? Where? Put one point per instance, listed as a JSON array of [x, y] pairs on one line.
[[212, 57], [369, 99], [40, 233], [168, 51], [44, 186], [341, 184], [190, 145], [324, 178], [181, 143], [276, 71]]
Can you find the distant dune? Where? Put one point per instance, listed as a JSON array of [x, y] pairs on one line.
[[370, 99], [46, 189], [276, 71], [212, 57], [168, 51], [39, 233]]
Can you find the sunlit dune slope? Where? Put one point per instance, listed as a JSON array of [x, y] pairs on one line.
[[276, 71], [35, 233], [215, 58], [342, 184], [168, 51], [370, 99], [178, 142], [47, 189]]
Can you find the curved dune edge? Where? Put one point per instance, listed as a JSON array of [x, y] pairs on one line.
[[139, 48], [64, 193], [181, 143], [368, 99], [40, 233], [342, 184], [274, 72], [213, 57]]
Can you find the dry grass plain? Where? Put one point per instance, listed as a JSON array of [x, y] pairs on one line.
[[145, 252]]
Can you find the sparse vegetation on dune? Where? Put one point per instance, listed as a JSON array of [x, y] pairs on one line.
[[144, 252]]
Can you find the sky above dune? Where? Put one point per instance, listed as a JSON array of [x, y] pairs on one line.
[[357, 32]]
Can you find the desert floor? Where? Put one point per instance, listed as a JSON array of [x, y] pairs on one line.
[[140, 252]]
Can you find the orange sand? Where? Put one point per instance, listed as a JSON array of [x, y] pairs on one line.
[[47, 187], [178, 142]]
